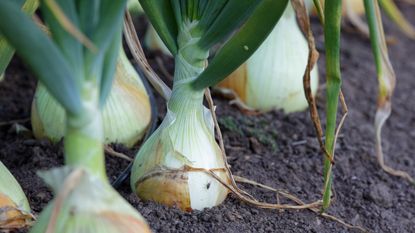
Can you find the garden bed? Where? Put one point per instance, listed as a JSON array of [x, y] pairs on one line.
[[274, 149]]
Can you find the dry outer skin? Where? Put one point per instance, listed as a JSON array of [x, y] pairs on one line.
[[173, 186], [11, 217], [270, 149]]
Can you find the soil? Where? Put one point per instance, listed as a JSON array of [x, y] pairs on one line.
[[268, 149]]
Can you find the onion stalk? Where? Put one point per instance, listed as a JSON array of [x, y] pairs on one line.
[[126, 114], [78, 72], [14, 207], [272, 78]]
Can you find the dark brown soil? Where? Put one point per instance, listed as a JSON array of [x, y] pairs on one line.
[[265, 149]]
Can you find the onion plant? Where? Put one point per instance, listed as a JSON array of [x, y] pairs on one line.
[[169, 168], [76, 65], [272, 78], [386, 81], [14, 207]]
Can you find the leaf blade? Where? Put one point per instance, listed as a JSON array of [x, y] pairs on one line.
[[228, 19], [109, 66], [52, 69], [67, 42], [332, 16], [7, 51], [109, 25], [393, 12], [161, 16]]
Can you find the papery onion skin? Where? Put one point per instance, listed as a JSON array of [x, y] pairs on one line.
[[172, 187]]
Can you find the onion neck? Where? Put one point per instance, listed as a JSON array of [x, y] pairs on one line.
[[190, 61], [84, 135]]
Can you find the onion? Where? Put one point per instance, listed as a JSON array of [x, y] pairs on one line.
[[272, 78]]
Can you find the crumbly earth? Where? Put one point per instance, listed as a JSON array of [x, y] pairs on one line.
[[275, 149]]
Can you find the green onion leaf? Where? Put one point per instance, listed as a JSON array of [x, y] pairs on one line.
[[393, 12], [103, 35], [332, 15], [49, 65], [68, 44], [231, 16], [6, 51], [161, 16], [109, 67]]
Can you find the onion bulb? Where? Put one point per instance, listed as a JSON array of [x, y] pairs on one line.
[[165, 168], [272, 78], [86, 204], [14, 207], [126, 114]]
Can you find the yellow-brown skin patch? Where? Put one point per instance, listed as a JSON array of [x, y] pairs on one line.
[[10, 216], [169, 188], [236, 82]]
